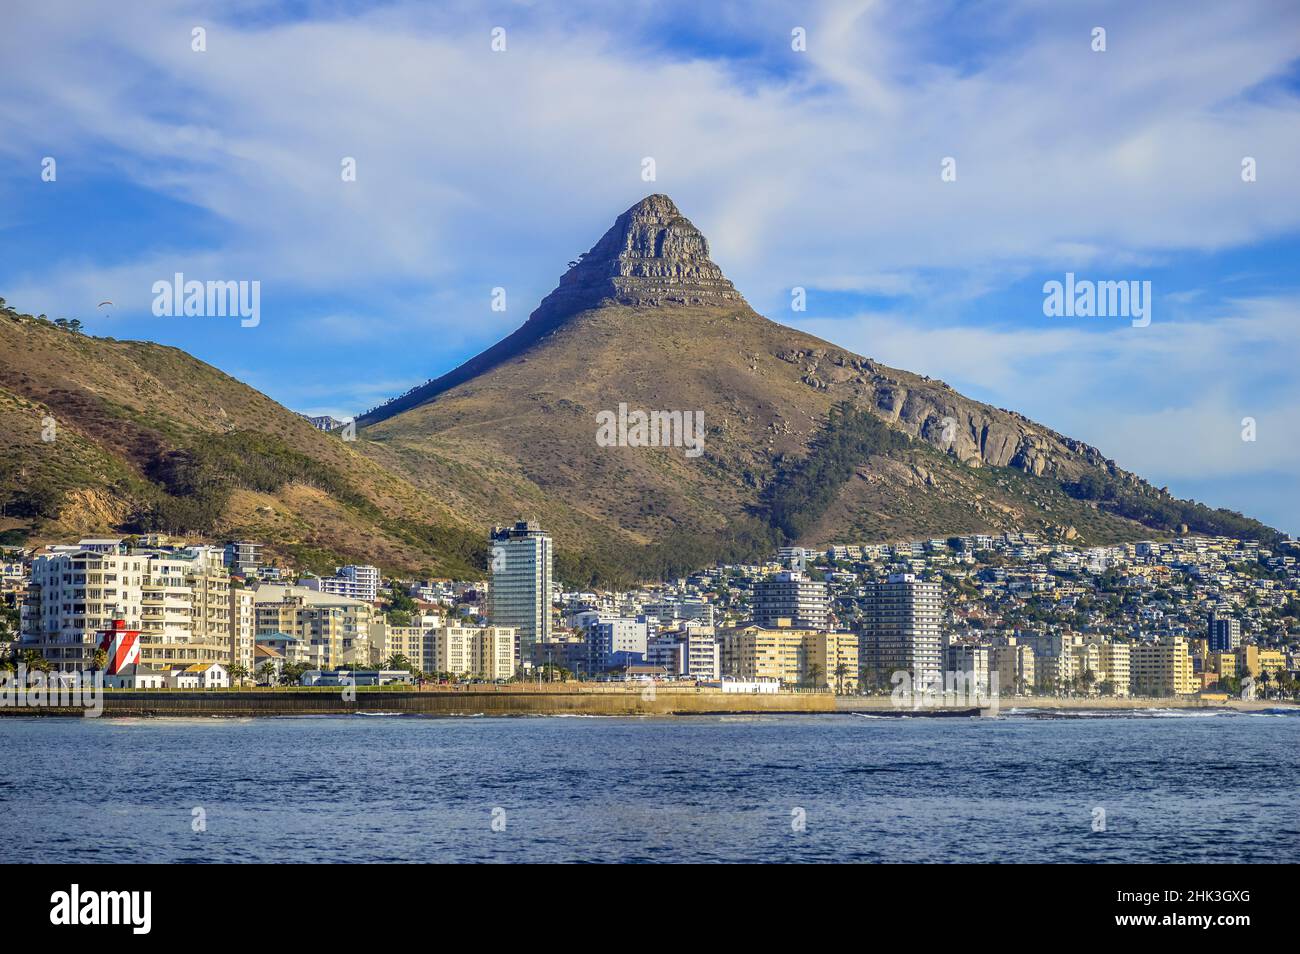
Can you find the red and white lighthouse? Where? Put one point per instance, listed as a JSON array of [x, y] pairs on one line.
[[122, 646]]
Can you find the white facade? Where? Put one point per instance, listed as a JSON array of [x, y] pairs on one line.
[[75, 592]]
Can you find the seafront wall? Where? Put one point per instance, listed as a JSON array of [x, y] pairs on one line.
[[485, 700], [883, 704]]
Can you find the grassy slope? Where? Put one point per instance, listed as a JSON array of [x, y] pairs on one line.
[[526, 431], [121, 406]]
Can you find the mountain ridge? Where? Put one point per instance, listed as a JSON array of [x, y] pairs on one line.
[[805, 442], [675, 335]]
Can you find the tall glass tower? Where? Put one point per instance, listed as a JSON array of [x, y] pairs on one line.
[[520, 593]]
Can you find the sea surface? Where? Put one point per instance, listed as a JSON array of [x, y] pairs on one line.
[[1171, 786]]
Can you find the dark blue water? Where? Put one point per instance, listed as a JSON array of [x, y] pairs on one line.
[[1205, 787]]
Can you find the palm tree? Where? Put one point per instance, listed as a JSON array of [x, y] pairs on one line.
[[814, 677], [841, 671], [239, 672], [267, 672]]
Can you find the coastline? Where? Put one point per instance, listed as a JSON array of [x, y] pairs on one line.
[[494, 700], [579, 699], [883, 704]]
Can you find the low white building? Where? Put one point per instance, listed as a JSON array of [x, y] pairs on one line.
[[199, 676], [136, 676], [759, 686]]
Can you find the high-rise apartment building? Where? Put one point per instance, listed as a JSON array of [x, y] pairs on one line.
[[790, 595], [243, 628], [522, 563], [902, 628], [1224, 634]]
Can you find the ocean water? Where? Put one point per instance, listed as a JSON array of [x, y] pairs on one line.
[[1023, 787]]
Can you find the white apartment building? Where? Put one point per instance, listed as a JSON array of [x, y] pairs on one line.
[[971, 662], [243, 628], [617, 641], [359, 582], [178, 600], [74, 592], [692, 653]]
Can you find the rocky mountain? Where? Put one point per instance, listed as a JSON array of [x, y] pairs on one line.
[[804, 441]]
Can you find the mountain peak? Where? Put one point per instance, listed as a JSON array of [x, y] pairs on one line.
[[652, 255]]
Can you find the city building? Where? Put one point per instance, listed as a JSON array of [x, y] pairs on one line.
[[358, 582], [1162, 668], [480, 652], [74, 592], [792, 656], [1014, 664], [973, 663], [690, 652], [790, 595], [519, 594], [616, 642], [902, 628], [1224, 634], [243, 556], [338, 626], [243, 628]]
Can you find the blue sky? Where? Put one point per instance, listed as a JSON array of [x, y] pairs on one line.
[[816, 168]]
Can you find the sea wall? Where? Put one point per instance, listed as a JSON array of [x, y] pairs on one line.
[[486, 700], [885, 703]]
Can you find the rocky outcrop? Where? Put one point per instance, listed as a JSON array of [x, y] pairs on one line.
[[974, 433], [652, 255]]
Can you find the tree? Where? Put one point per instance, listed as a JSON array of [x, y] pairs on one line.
[[266, 671], [239, 672], [398, 661], [841, 670], [815, 675], [98, 660]]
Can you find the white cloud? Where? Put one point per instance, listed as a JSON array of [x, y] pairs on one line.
[[818, 169]]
